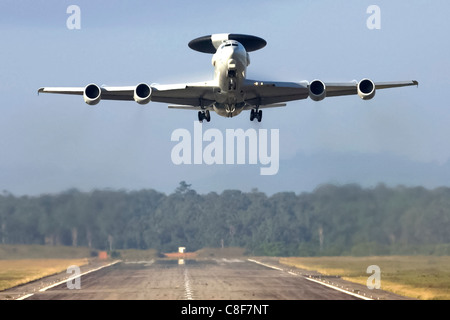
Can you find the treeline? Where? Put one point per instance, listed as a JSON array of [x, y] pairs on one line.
[[332, 220]]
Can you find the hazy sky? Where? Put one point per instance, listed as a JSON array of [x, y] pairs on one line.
[[50, 143]]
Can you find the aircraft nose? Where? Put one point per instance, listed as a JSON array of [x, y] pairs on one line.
[[233, 52]]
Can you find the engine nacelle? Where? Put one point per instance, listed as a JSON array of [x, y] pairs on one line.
[[142, 93], [92, 94], [317, 90], [366, 89]]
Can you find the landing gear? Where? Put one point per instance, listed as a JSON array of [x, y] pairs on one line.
[[232, 85], [204, 115], [256, 114], [232, 80]]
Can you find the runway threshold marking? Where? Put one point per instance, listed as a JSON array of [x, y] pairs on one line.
[[313, 280], [68, 279]]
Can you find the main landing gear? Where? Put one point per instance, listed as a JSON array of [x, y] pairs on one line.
[[256, 114], [204, 115]]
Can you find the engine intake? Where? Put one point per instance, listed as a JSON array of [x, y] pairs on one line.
[[317, 90], [92, 94], [142, 93], [366, 89]]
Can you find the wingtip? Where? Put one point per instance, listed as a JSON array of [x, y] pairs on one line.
[[416, 83], [40, 90]]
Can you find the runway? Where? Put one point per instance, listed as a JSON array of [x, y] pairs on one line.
[[210, 279]]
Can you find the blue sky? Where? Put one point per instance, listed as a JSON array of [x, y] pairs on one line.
[[50, 143]]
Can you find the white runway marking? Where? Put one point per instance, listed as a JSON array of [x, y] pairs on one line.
[[187, 286], [69, 279], [265, 265], [338, 289], [314, 280]]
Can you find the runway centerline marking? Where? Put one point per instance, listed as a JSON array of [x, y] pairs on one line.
[[187, 285]]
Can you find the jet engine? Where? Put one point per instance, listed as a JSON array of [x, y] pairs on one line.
[[317, 90], [142, 93], [92, 94], [366, 89]]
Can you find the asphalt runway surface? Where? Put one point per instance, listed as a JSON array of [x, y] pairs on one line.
[[209, 279]]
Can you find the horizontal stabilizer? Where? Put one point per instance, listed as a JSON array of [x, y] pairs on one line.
[[273, 105], [186, 107]]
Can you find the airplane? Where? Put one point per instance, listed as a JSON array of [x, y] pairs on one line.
[[230, 92]]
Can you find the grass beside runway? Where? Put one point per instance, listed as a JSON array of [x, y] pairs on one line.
[[20, 264], [16, 272], [420, 277], [23, 251]]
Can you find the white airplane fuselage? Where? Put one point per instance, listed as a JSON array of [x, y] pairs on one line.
[[230, 66]]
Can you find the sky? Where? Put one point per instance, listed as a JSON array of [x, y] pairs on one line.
[[50, 143]]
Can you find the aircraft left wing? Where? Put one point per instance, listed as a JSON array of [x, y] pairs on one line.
[[199, 94], [267, 93]]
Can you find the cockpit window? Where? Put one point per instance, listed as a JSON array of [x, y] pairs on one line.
[[229, 44]]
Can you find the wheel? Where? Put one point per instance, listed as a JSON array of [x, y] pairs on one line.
[[232, 84], [201, 116], [207, 116], [259, 115], [252, 114]]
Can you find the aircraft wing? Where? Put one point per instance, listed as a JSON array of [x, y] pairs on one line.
[[107, 93], [270, 93], [193, 94], [351, 88], [265, 93]]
